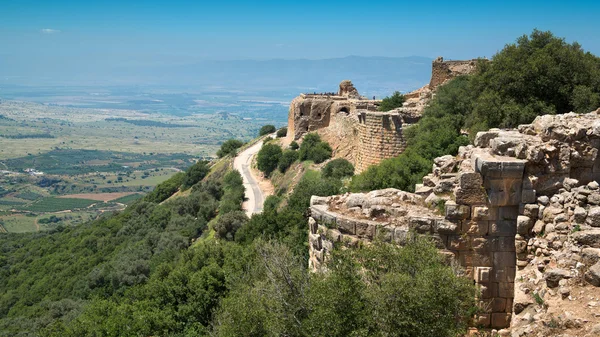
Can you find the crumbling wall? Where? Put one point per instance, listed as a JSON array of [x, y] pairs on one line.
[[441, 70], [380, 137], [521, 216]]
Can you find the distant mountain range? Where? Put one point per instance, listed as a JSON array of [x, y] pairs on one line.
[[373, 75]]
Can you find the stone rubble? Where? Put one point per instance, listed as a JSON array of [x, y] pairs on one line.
[[519, 211]]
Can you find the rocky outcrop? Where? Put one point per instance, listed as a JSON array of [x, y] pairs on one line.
[[348, 90], [519, 211]]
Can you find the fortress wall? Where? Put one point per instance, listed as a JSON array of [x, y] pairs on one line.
[[441, 70], [380, 137]]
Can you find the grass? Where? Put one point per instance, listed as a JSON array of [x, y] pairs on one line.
[[19, 223], [53, 204]]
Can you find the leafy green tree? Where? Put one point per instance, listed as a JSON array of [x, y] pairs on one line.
[[165, 189], [266, 129], [392, 102], [314, 149], [287, 159], [229, 147], [195, 173], [338, 168], [228, 224], [294, 145], [282, 132], [268, 157]]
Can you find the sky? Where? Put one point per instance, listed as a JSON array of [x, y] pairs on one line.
[[61, 35]]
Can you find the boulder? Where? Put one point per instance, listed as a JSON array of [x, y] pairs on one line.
[[553, 277], [593, 216], [593, 275], [590, 237]]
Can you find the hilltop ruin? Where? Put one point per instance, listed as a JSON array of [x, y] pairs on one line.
[[519, 212], [352, 124]]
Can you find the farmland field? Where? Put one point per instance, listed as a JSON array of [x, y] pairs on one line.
[[54, 204]]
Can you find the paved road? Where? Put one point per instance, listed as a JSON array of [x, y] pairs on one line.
[[254, 195]]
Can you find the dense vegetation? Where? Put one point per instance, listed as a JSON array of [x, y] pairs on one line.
[[312, 148], [392, 102], [229, 147], [539, 74], [338, 168], [267, 159], [282, 132], [266, 129]]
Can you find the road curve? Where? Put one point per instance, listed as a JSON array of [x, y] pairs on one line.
[[254, 195]]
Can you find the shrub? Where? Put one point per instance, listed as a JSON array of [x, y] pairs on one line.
[[229, 148], [267, 129], [165, 189], [402, 172], [228, 224], [392, 102], [195, 173], [314, 149], [282, 132], [268, 157], [338, 168], [294, 145], [287, 159]]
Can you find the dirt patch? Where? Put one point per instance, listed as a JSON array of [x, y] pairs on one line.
[[98, 196]]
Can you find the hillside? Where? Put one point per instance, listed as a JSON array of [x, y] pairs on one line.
[[513, 212]]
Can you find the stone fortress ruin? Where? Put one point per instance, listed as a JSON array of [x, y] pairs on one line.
[[352, 123], [519, 212]]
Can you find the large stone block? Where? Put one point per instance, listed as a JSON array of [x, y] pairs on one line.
[[524, 224], [491, 166], [502, 228], [475, 227], [455, 211], [500, 320], [366, 230], [506, 289], [504, 259], [504, 274], [443, 226], [503, 191], [469, 180], [503, 243], [421, 224], [471, 196], [346, 225]]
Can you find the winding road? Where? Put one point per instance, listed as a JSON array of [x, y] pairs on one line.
[[255, 196]]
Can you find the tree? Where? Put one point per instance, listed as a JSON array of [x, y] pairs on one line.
[[282, 132], [287, 159], [228, 224], [268, 157], [314, 149], [338, 168], [266, 129], [195, 173], [294, 145], [392, 102], [229, 147]]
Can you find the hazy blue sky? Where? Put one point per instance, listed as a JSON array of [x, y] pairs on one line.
[[38, 35]]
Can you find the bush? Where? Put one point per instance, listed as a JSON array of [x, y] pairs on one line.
[[282, 132], [267, 129], [314, 149], [233, 193], [287, 159], [268, 157], [165, 189], [195, 173], [338, 168], [402, 172], [229, 148], [392, 102], [228, 224], [294, 145]]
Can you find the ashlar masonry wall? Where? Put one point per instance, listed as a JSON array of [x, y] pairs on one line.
[[381, 137], [478, 228]]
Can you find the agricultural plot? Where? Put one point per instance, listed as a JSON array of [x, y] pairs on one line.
[[128, 199], [54, 204]]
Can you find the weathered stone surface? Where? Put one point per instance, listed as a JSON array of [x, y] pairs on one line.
[[587, 237], [523, 224], [455, 211], [593, 217], [593, 275], [554, 276], [471, 196]]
